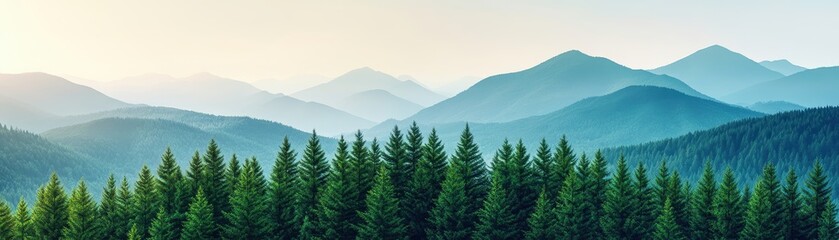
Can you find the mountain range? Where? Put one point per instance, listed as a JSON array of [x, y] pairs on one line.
[[809, 88], [782, 66]]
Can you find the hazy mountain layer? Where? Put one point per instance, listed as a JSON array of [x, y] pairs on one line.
[[773, 107], [365, 79], [810, 88], [54, 95], [782, 66], [378, 105]]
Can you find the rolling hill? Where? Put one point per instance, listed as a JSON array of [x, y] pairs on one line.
[[378, 105], [773, 107], [782, 66], [54, 95], [809, 88], [717, 71], [365, 79], [545, 88]]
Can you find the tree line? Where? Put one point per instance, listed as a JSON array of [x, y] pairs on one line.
[[410, 188]]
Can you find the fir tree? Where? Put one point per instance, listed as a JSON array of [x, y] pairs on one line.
[[679, 199], [596, 191], [413, 148], [170, 188], [661, 187], [248, 205], [23, 229], [792, 214], [450, 217], [50, 211], [565, 160], [643, 213], [163, 226], [283, 193], [382, 219], [728, 208], [231, 175], [544, 173], [133, 233], [620, 206], [108, 211], [145, 202], [763, 217], [7, 221], [362, 171], [570, 209], [666, 227], [375, 153], [496, 221], [337, 216], [703, 205], [214, 183], [199, 219], [474, 173], [194, 175], [313, 173], [124, 210], [816, 198], [81, 221], [827, 223], [425, 186], [542, 222], [396, 160]]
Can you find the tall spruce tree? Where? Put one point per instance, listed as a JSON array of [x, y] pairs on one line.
[[763, 218], [679, 196], [214, 183], [792, 208], [163, 226], [565, 161], [145, 202], [194, 175], [413, 148], [425, 186], [661, 187], [81, 221], [620, 204], [816, 198], [450, 217], [7, 221], [643, 211], [337, 215], [23, 229], [362, 172], [170, 188], [703, 218], [107, 212], [474, 173], [199, 223], [50, 211], [570, 210], [495, 219], [381, 219], [283, 194], [247, 218], [542, 223], [313, 174], [596, 191], [231, 175], [666, 227], [396, 160], [124, 210], [522, 193], [728, 208], [544, 174], [827, 223]]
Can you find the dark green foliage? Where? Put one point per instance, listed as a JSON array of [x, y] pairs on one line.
[[133, 233], [214, 183], [49, 215], [473, 172], [145, 200], [283, 194], [163, 226], [763, 218], [827, 223], [172, 195], [107, 214], [194, 174], [816, 199], [450, 217], [542, 222], [199, 219], [565, 161], [124, 211], [81, 221], [425, 186], [231, 175], [7, 221], [643, 215], [792, 215], [619, 210], [495, 219], [313, 173], [702, 204], [362, 172], [596, 193], [396, 160], [382, 219], [413, 148], [23, 222], [679, 196], [247, 218], [337, 215], [544, 173], [666, 227], [728, 208]]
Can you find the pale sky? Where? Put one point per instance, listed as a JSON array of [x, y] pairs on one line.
[[433, 41]]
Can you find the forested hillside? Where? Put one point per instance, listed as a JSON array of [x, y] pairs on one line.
[[409, 188]]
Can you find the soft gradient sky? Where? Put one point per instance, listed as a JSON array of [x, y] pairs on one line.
[[434, 41]]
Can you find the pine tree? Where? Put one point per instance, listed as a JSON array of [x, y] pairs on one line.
[[145, 202], [643, 213], [194, 175], [764, 214], [375, 153], [214, 183], [107, 214], [596, 191], [473, 172], [199, 219], [496, 221], [728, 208], [50, 211], [565, 160], [679, 199], [170, 188], [81, 221], [703, 205], [544, 173], [425, 186], [396, 160], [666, 227], [450, 217], [816, 198], [382, 219], [134, 234], [231, 175], [542, 222], [362, 171], [7, 221], [413, 148], [619, 206], [283, 193], [661, 187], [570, 209], [23, 229], [313, 173], [163, 226], [792, 215], [248, 205], [336, 213], [124, 210], [827, 223]]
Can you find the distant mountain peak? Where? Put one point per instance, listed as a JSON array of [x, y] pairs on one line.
[[782, 66]]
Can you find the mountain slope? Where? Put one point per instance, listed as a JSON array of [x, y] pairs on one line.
[[547, 87], [782, 66], [55, 95], [773, 107], [789, 140], [378, 105], [24, 116], [810, 88], [717, 71], [365, 79]]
